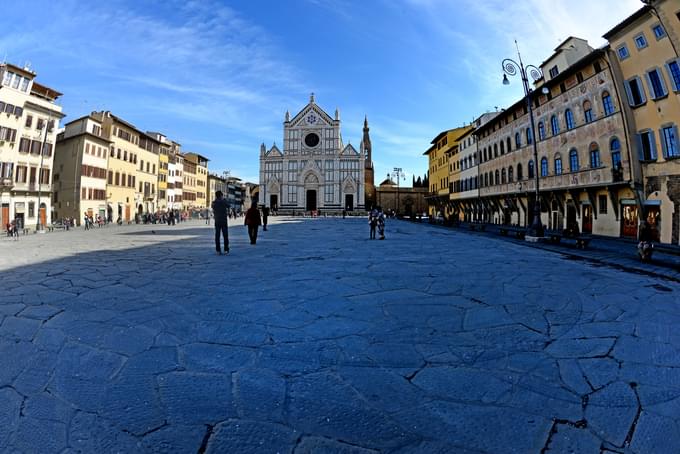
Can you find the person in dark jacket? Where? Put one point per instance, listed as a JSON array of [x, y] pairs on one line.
[[265, 216], [220, 210], [253, 221]]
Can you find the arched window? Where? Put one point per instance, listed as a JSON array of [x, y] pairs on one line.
[[475, 187], [495, 150], [518, 140], [510, 176], [558, 164], [587, 111], [519, 172], [607, 103], [484, 157], [594, 156], [497, 179], [541, 131], [554, 125], [503, 180], [509, 144], [569, 119], [573, 160], [502, 148], [530, 170], [544, 166], [486, 179], [615, 148], [530, 138]]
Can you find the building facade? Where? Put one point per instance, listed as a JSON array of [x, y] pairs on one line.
[[146, 195], [216, 183], [644, 52], [440, 157], [175, 176], [315, 171], [28, 130], [189, 182], [407, 201], [81, 163], [586, 178]]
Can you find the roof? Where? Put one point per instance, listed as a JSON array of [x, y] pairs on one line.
[[627, 21], [82, 118], [45, 91], [429, 150], [17, 69]]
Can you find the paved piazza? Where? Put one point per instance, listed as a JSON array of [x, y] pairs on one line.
[[140, 339]]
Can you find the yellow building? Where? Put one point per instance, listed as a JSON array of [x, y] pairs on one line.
[[644, 52], [189, 181], [146, 197], [122, 165], [440, 154]]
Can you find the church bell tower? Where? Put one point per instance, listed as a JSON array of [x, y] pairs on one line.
[[369, 183]]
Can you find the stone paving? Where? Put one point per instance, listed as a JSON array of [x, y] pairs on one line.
[[140, 339]]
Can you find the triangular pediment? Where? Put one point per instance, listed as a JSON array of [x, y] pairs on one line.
[[274, 151], [311, 116], [349, 150]]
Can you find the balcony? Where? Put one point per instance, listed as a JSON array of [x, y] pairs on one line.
[[149, 196], [600, 176]]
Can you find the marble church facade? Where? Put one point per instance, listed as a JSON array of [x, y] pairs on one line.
[[314, 171]]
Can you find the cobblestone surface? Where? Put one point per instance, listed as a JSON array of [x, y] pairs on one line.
[[139, 339]]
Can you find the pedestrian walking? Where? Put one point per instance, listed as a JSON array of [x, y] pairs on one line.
[[265, 215], [220, 210], [14, 231], [381, 225], [86, 220], [253, 221]]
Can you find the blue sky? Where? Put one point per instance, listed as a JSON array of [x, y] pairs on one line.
[[218, 76]]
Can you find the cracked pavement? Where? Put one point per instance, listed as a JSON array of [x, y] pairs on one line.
[[139, 339]]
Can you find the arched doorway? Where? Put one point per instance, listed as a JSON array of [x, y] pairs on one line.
[[311, 192], [43, 214]]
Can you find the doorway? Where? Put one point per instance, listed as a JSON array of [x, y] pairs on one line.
[[349, 202], [629, 221], [572, 225], [652, 215], [43, 214], [274, 202], [587, 219], [310, 202], [4, 215]]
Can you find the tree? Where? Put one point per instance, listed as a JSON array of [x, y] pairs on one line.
[[418, 183]]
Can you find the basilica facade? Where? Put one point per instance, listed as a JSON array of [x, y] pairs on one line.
[[315, 171]]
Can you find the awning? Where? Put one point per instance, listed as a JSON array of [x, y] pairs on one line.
[[653, 202]]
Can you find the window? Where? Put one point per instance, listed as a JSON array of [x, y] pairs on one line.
[[495, 150], [602, 203], [502, 148], [657, 87], [623, 52], [659, 32], [673, 69], [509, 144], [615, 148], [554, 125], [519, 172], [518, 140], [607, 103], [497, 180], [541, 131], [640, 41], [573, 160], [510, 176], [635, 92], [292, 194], [529, 136], [594, 156], [31, 209], [531, 169], [569, 119], [544, 166], [554, 72], [503, 176], [646, 146], [669, 141], [558, 165], [587, 112]]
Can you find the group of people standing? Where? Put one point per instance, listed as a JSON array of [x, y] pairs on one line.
[[376, 220], [220, 211]]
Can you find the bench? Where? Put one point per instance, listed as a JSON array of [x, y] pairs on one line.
[[582, 241], [518, 232], [667, 248]]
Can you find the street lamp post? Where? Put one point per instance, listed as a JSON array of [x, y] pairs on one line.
[[398, 173], [510, 68]]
